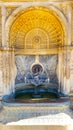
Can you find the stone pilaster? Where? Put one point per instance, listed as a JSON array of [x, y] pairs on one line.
[[7, 71], [63, 72]]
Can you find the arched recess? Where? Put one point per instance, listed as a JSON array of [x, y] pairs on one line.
[[36, 28]]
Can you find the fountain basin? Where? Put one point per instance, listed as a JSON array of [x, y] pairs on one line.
[[32, 95], [25, 103]]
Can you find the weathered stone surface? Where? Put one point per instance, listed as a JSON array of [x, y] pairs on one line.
[[57, 119], [7, 72]]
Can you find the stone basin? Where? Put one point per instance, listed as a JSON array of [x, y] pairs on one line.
[[31, 95], [34, 94]]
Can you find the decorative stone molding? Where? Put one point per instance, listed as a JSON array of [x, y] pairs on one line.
[[58, 13]]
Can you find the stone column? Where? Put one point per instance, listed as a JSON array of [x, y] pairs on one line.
[[71, 70], [9, 71], [63, 72], [13, 71], [66, 66], [1, 75], [7, 63], [60, 72]]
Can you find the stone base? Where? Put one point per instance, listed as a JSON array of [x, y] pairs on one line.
[[16, 111], [43, 127]]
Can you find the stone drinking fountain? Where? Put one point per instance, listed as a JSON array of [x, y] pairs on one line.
[[38, 86], [35, 62], [35, 94]]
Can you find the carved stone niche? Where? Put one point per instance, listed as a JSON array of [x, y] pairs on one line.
[[39, 36]]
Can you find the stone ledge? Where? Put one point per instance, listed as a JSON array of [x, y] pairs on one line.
[[32, 127]]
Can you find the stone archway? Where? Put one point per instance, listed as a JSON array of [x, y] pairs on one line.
[[42, 15], [26, 27]]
